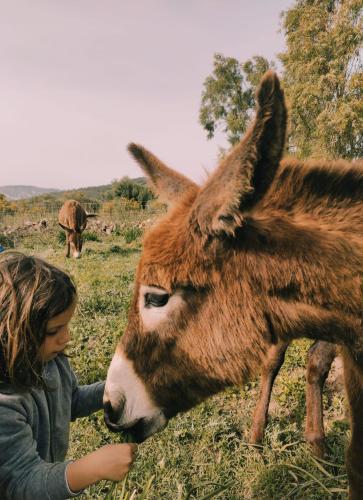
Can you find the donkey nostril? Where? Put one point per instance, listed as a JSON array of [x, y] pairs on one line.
[[110, 413]]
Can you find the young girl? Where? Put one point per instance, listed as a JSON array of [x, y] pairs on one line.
[[39, 394]]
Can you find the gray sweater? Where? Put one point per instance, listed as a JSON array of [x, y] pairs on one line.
[[34, 433]]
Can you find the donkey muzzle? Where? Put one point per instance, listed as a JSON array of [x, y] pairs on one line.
[[138, 429]]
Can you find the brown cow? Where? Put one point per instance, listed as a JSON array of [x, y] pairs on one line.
[[73, 219], [266, 251]]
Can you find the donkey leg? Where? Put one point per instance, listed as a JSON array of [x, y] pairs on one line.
[[320, 357], [68, 246], [353, 374], [275, 359]]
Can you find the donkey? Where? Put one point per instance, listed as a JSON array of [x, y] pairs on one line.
[[319, 360], [267, 250], [73, 219]]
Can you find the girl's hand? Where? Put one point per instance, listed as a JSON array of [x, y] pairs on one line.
[[111, 462]]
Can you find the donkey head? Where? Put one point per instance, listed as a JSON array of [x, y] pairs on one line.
[[74, 240], [189, 331]]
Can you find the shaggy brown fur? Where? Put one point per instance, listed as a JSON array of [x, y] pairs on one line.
[[267, 250], [320, 358], [73, 219]]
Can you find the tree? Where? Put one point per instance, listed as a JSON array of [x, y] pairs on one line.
[[323, 75], [6, 207], [228, 98], [126, 188]]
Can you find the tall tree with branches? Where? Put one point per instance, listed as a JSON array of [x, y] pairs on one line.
[[323, 76], [228, 96]]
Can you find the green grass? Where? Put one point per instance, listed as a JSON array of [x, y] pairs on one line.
[[132, 234], [6, 241], [87, 236], [205, 452]]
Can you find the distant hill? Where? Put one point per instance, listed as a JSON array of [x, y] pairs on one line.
[[21, 192], [92, 192]]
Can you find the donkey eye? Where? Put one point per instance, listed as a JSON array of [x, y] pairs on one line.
[[156, 299], [51, 333]]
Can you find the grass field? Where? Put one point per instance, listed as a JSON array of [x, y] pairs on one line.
[[204, 453]]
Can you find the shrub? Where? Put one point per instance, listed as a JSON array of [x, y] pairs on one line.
[[6, 207], [90, 236], [126, 204], [132, 233], [6, 242], [61, 237], [157, 205], [108, 207], [122, 251], [130, 190], [116, 249]]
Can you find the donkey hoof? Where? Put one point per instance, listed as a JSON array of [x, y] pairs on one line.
[[317, 445], [256, 437]]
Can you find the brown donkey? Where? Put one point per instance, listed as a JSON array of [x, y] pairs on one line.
[[72, 218], [266, 251], [319, 359]]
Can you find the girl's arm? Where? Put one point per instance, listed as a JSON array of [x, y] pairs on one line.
[[109, 462], [23, 474], [86, 399]]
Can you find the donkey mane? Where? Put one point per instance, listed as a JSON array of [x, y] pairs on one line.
[[304, 199], [328, 191]]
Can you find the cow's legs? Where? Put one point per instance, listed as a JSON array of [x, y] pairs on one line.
[[319, 359], [353, 374], [274, 361]]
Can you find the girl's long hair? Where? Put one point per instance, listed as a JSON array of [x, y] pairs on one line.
[[31, 293]]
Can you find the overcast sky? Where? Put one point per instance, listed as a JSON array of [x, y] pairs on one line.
[[80, 79]]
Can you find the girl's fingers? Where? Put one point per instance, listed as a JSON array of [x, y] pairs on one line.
[[133, 447]]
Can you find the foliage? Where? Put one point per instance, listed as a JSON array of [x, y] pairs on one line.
[[323, 74], [61, 237], [6, 242], [132, 233], [108, 207], [6, 207], [119, 206], [228, 97], [157, 205], [126, 188], [323, 81], [34, 208], [85, 194], [86, 236], [90, 236]]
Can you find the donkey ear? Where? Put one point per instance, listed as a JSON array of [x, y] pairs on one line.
[[245, 175], [165, 182]]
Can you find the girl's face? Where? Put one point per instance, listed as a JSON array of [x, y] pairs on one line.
[[57, 334]]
